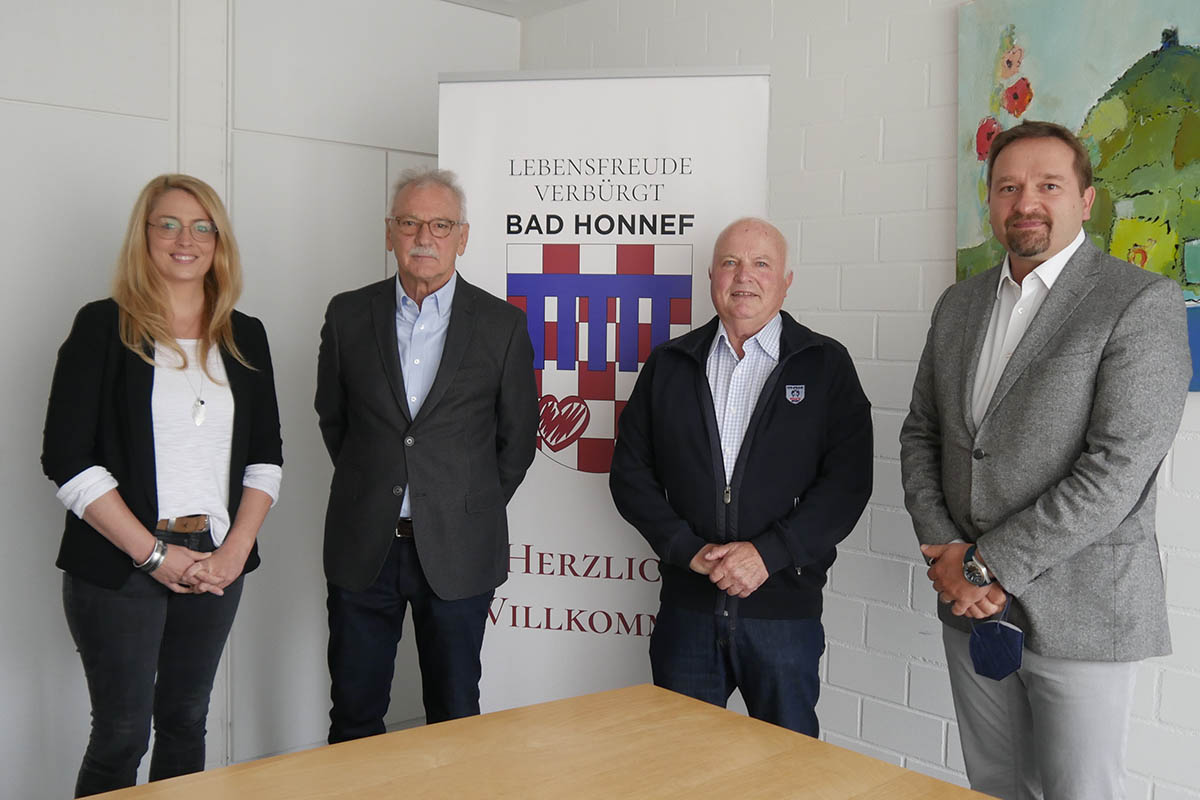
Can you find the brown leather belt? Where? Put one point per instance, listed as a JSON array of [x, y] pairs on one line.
[[196, 523], [404, 528]]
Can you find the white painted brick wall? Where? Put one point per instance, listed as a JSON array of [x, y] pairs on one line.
[[861, 161], [901, 632], [1183, 576], [841, 238], [814, 287], [887, 433], [887, 490], [902, 336], [892, 534], [954, 758], [889, 385], [867, 673], [1163, 752], [1138, 787], [799, 16], [1185, 463], [1191, 414], [943, 80], [815, 193], [865, 90], [829, 47], [880, 287], [866, 10], [1185, 639], [940, 189], [885, 187], [797, 100], [919, 134], [839, 710], [919, 35], [1145, 691], [935, 277], [1165, 791], [903, 729], [871, 578], [855, 142], [859, 538], [924, 235], [1177, 522], [844, 619], [923, 599], [855, 331], [929, 690], [1181, 700], [932, 771], [860, 746]]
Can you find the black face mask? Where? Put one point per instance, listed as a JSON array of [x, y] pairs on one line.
[[996, 646]]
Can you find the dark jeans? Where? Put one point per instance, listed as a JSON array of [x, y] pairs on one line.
[[364, 629], [125, 638], [773, 662]]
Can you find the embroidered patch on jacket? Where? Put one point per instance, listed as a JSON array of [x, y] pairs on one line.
[[794, 393]]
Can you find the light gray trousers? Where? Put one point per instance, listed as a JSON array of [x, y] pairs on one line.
[[1055, 729]]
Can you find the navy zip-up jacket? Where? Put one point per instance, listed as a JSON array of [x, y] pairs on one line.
[[802, 478]]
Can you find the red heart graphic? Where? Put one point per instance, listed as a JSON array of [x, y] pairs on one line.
[[561, 422]]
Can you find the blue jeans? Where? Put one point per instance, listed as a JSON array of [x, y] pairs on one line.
[[773, 662], [147, 653], [364, 629]]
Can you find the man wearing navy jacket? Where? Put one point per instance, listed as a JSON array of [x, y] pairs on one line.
[[743, 457]]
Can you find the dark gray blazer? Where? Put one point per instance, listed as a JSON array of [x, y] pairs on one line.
[[462, 457], [1057, 483]]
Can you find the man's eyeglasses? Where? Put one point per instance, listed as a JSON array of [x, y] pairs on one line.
[[170, 228], [410, 226]]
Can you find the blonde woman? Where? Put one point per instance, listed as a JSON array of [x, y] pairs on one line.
[[162, 433]]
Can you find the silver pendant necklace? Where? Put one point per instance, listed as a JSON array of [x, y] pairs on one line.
[[198, 410]]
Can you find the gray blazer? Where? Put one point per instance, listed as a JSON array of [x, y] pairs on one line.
[[1057, 483], [462, 457]]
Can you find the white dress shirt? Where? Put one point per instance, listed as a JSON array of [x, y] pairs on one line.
[[737, 383], [1014, 310]]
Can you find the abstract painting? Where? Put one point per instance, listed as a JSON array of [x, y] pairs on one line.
[[1126, 79]]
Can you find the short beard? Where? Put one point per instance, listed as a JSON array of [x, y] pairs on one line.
[[1027, 244]]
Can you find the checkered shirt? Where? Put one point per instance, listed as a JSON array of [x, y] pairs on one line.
[[736, 384]]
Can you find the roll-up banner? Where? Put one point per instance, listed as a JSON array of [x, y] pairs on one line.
[[594, 201]]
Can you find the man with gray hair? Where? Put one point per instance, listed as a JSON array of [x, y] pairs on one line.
[[743, 457], [428, 407]]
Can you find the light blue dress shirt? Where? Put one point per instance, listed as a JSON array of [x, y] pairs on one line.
[[420, 338]]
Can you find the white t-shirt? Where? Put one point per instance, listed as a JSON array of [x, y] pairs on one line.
[[191, 461]]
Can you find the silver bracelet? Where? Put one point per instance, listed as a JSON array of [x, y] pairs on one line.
[[153, 561]]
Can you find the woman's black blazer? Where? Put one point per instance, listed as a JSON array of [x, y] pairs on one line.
[[99, 414]]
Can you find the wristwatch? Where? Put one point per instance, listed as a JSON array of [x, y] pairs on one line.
[[974, 570]]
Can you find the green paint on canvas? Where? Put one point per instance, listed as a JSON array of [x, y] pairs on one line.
[[1132, 92]]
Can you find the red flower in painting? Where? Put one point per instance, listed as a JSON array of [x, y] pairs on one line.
[[1017, 97], [983, 137]]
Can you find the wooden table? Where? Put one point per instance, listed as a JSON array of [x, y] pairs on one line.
[[640, 742]]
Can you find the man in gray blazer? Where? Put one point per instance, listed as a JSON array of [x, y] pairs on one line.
[[1047, 395], [428, 407]]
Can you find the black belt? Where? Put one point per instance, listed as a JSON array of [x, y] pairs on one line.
[[404, 528]]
